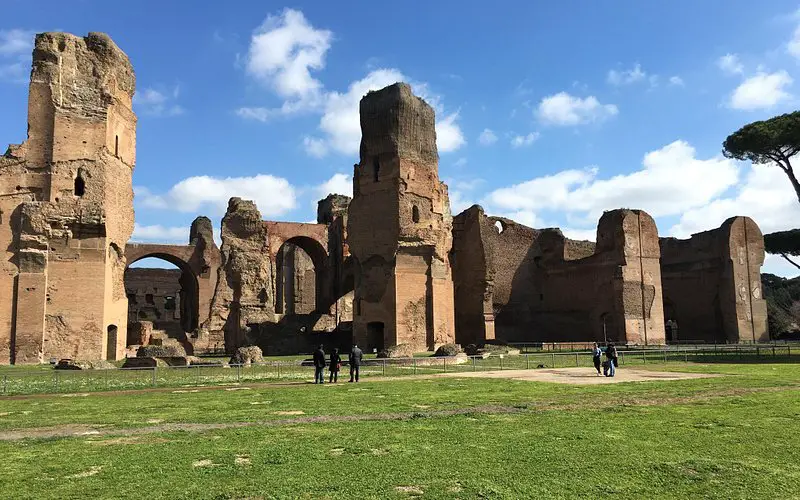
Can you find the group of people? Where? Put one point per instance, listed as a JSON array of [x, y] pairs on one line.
[[335, 364], [610, 364]]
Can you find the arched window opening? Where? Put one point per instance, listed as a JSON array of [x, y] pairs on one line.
[[116, 146], [415, 214], [499, 226], [80, 185], [111, 343], [376, 167]]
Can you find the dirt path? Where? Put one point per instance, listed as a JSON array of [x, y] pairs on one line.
[[90, 431], [582, 376]]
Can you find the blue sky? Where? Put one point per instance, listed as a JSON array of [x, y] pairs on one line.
[[548, 112]]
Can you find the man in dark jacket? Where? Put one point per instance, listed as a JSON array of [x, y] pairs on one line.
[[319, 365], [355, 362]]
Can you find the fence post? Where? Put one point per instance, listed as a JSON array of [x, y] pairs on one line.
[[501, 361], [773, 350], [445, 364], [527, 362], [789, 351], [686, 355], [665, 355], [576, 359], [238, 373], [553, 354], [644, 357], [414, 362], [383, 368], [473, 363]]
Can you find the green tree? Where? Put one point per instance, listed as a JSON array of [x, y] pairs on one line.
[[768, 141], [784, 243]]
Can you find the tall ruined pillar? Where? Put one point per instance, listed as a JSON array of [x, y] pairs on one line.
[[68, 195], [399, 227], [631, 239]]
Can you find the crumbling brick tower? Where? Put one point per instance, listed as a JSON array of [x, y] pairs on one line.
[[66, 205], [400, 227]]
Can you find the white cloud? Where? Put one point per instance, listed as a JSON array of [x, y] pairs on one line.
[[274, 196], [16, 41], [283, 53], [341, 126], [730, 64], [315, 147], [16, 46], [671, 182], [626, 77], [337, 184], [487, 137], [765, 195], [284, 50], [524, 140], [160, 233], [676, 81], [761, 91], [153, 102], [793, 47], [460, 162], [563, 109], [448, 134]]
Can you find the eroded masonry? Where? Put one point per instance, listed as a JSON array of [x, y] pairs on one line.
[[391, 266]]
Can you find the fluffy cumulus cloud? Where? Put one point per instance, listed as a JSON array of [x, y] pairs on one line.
[[487, 137], [15, 54], [761, 91], [730, 64], [284, 52], [626, 77], [563, 109], [672, 180], [337, 184], [274, 196], [521, 141], [158, 102]]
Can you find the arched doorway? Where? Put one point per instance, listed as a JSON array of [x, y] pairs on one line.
[[300, 281], [163, 289], [670, 321], [111, 343]]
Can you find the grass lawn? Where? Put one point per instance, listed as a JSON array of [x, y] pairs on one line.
[[726, 437]]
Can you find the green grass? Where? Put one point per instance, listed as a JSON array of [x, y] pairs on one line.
[[733, 436]]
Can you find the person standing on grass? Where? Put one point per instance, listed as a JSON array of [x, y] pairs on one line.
[[355, 362], [336, 363], [597, 353], [319, 365], [611, 356]]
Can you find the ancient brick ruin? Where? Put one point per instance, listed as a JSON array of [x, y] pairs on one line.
[[391, 266]]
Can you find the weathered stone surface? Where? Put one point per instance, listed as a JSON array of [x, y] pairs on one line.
[[161, 351], [397, 351], [247, 355], [519, 284], [399, 226], [447, 350], [66, 205], [712, 284]]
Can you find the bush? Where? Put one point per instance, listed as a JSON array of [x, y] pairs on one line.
[[471, 350], [247, 355], [161, 351], [447, 350]]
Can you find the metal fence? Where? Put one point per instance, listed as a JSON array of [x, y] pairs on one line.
[[80, 381]]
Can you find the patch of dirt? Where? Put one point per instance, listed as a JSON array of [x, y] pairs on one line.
[[154, 421], [203, 463], [80, 395], [423, 407], [128, 440], [410, 490], [242, 460], [238, 389], [580, 376], [93, 470], [185, 392], [337, 451], [379, 452], [289, 412], [260, 402]]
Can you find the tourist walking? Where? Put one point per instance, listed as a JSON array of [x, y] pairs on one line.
[[319, 365], [335, 364], [611, 358], [355, 362], [597, 353]]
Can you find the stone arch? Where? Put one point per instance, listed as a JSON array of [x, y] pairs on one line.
[[189, 285], [318, 256]]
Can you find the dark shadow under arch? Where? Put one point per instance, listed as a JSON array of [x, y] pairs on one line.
[[316, 252], [190, 289]]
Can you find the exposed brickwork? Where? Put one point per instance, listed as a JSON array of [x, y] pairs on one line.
[[712, 284], [66, 205]]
